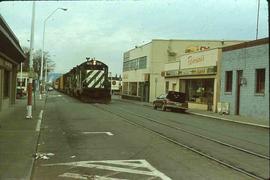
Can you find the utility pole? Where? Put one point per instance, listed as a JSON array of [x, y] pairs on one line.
[[30, 82], [258, 15], [268, 5]]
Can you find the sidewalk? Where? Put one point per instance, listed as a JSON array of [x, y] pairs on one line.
[[231, 118], [18, 139]]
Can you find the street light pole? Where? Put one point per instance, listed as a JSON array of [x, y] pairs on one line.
[[42, 53], [30, 82], [111, 83], [258, 14]]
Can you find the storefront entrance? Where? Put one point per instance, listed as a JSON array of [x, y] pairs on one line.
[[200, 92]]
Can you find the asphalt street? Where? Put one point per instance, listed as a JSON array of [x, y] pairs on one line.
[[128, 141]]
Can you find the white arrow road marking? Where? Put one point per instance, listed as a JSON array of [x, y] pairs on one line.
[[86, 177], [129, 167], [108, 133]]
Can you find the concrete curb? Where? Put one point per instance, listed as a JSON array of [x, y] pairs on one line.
[[37, 129], [230, 120]]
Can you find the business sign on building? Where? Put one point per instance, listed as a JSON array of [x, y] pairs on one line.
[[198, 71], [199, 59]]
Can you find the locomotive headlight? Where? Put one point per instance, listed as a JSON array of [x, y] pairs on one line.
[[94, 62]]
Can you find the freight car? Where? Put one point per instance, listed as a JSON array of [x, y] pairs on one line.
[[88, 82]]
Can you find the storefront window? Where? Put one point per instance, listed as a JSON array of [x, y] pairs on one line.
[[200, 90], [133, 88], [125, 87]]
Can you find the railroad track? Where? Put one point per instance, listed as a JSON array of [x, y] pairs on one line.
[[165, 136]]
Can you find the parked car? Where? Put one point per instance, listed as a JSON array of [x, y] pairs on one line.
[[172, 100]]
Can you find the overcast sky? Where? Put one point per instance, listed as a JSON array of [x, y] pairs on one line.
[[106, 29]]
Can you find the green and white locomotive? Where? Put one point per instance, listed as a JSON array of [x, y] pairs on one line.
[[88, 82]]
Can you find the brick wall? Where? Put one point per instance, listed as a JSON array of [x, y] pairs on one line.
[[247, 59]]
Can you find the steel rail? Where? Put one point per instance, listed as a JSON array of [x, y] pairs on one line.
[[238, 169], [201, 136]]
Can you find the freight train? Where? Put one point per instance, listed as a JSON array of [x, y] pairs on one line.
[[88, 82]]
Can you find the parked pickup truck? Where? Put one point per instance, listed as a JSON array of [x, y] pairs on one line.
[[172, 100]]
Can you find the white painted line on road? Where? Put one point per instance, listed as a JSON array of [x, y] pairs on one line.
[[85, 177], [39, 121], [121, 166], [108, 133], [40, 114]]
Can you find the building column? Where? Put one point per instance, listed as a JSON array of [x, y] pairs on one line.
[[1, 88], [13, 84], [128, 92], [138, 88], [215, 95]]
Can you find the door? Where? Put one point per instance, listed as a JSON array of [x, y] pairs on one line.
[[174, 86], [146, 92], [238, 90]]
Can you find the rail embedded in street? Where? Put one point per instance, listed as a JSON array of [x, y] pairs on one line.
[[227, 163]]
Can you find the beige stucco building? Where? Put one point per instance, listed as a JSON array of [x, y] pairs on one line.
[[144, 66]]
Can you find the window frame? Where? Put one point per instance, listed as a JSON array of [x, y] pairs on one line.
[[259, 85], [228, 84]]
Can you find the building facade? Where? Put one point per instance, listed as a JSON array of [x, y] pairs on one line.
[[245, 78], [196, 74], [11, 55], [143, 66]]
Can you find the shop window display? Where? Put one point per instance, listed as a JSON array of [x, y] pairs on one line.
[[200, 91]]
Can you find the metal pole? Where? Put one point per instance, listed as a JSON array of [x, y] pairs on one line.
[[21, 81], [41, 65], [111, 82], [46, 73], [258, 14], [42, 53], [30, 85]]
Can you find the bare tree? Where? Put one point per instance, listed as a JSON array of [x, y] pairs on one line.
[[37, 61]]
